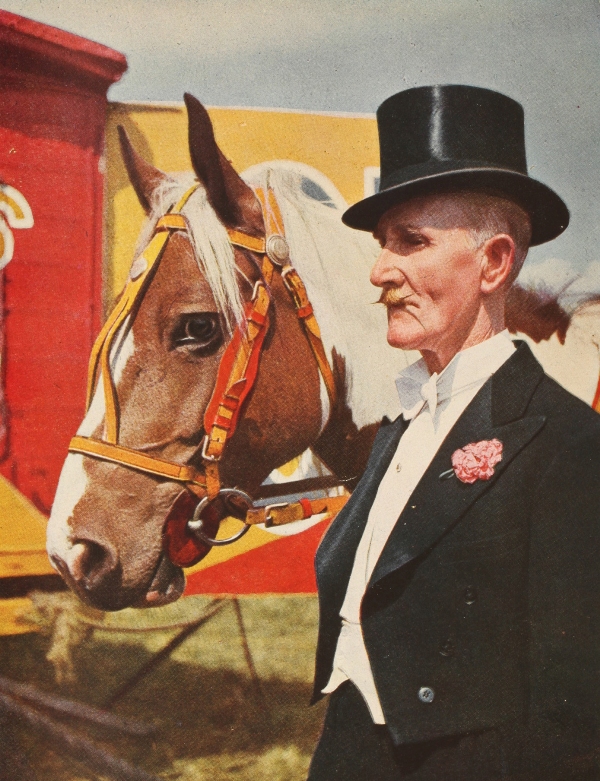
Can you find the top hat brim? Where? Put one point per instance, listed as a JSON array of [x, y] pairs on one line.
[[547, 211]]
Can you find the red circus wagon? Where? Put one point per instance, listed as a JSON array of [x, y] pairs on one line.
[[52, 120]]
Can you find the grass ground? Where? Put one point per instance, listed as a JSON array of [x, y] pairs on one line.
[[212, 722]]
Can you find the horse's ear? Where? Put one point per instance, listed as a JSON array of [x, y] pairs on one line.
[[234, 202], [144, 177]]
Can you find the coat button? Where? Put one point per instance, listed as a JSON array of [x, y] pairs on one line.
[[470, 595], [447, 648], [426, 694]]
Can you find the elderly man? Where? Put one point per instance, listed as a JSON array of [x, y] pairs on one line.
[[460, 588]]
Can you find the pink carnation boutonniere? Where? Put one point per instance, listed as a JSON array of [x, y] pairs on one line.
[[476, 461]]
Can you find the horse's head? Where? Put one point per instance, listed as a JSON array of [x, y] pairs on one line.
[[156, 375]]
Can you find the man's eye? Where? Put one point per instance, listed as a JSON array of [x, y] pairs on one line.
[[415, 239], [199, 332]]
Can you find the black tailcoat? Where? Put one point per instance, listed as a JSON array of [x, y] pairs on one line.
[[489, 593]]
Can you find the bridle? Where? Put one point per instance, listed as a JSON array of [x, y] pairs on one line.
[[236, 375]]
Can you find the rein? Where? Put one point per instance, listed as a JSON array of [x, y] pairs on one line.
[[236, 375]]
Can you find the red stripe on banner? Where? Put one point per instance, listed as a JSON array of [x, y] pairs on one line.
[[284, 566]]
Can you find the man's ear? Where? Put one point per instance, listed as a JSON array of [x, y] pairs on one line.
[[498, 260]]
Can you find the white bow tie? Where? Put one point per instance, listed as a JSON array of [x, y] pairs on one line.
[[415, 395], [417, 389], [429, 393]]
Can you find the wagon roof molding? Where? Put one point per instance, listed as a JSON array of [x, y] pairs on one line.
[[169, 105], [43, 46]]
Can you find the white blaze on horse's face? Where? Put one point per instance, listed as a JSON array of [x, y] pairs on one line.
[[73, 477]]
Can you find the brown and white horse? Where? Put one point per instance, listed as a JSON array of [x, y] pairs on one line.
[[105, 534], [105, 530]]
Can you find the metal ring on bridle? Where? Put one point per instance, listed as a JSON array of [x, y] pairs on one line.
[[196, 523]]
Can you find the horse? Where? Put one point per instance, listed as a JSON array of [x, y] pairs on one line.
[[105, 533], [161, 364], [557, 311]]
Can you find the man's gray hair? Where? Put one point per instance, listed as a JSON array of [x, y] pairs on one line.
[[487, 215]]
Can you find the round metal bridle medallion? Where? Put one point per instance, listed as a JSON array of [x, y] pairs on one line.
[[277, 249]]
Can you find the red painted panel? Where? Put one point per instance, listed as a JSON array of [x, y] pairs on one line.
[[52, 117], [52, 308], [284, 566]]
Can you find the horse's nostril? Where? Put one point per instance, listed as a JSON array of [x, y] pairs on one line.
[[89, 563]]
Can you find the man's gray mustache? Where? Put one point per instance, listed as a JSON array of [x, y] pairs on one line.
[[392, 296]]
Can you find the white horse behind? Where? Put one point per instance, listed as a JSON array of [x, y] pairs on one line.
[[574, 362]]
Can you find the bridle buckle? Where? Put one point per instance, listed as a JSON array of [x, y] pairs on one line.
[[206, 456], [268, 508]]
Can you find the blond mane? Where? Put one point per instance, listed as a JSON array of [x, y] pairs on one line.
[[333, 261]]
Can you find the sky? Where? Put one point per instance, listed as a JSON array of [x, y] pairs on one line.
[[349, 55]]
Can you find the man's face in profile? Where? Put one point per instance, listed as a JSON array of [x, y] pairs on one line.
[[430, 272]]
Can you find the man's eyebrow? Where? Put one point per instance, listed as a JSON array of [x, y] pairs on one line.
[[408, 228], [405, 227], [397, 228]]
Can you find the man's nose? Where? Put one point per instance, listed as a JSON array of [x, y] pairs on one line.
[[387, 269]]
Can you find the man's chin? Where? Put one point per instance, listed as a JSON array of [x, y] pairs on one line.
[[404, 338], [402, 345], [404, 330]]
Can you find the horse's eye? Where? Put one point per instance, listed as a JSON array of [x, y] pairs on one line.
[[199, 332]]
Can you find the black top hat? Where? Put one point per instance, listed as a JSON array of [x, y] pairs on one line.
[[454, 137]]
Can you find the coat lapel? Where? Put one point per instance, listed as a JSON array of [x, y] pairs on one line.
[[497, 411], [342, 537]]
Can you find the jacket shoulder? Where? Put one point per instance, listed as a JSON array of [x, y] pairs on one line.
[[563, 408]]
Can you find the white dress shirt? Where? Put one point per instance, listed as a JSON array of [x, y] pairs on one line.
[[432, 404]]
